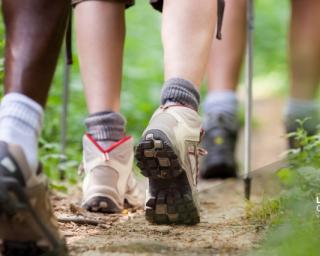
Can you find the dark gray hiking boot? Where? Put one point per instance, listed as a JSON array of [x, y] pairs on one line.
[[168, 155], [219, 140], [303, 114], [292, 126], [27, 224]]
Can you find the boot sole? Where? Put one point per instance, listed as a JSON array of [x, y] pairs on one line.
[[172, 201], [15, 205], [101, 204]]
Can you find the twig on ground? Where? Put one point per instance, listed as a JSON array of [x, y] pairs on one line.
[[79, 220]]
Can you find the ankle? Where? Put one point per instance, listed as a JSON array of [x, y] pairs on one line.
[[106, 127], [221, 102], [180, 91], [20, 124], [301, 110]]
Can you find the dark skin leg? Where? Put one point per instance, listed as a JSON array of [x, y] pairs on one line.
[[34, 33]]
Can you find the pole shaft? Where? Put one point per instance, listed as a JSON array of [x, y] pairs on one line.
[[249, 78], [64, 112], [65, 99]]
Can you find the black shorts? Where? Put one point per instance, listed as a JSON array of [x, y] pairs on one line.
[[157, 4]]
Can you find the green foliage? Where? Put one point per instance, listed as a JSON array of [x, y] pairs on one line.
[[265, 212], [295, 236], [271, 23], [308, 152], [296, 230], [1, 53]]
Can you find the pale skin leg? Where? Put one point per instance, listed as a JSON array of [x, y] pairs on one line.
[[187, 32], [304, 52], [186, 44], [226, 55], [100, 30]]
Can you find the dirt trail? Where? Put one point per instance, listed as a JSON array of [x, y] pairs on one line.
[[223, 229]]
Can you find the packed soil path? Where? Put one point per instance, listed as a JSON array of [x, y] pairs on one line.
[[223, 230]]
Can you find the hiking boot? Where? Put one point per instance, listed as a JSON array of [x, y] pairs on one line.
[[168, 155], [293, 126], [109, 181], [220, 141], [27, 223]]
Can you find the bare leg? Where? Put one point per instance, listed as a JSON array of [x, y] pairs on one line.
[[173, 133], [221, 105], [304, 49], [100, 37], [304, 61], [34, 32], [187, 31], [226, 56], [33, 40]]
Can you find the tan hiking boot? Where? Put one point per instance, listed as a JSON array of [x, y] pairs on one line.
[[27, 223], [109, 180], [168, 156]]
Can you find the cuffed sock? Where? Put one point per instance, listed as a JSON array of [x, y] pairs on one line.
[[20, 123], [222, 103], [178, 90], [106, 127], [301, 109]]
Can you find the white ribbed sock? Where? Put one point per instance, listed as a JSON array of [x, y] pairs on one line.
[[221, 102], [20, 123]]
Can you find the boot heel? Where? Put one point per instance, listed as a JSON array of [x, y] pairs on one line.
[[156, 157], [7, 205], [13, 200]]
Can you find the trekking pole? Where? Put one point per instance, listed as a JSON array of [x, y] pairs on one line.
[[65, 93], [248, 102], [64, 112]]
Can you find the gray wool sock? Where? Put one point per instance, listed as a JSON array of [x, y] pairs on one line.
[[180, 91], [221, 104], [105, 127]]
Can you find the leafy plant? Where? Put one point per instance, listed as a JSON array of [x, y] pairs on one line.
[[296, 230]]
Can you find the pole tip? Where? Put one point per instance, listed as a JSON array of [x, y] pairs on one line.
[[247, 187]]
